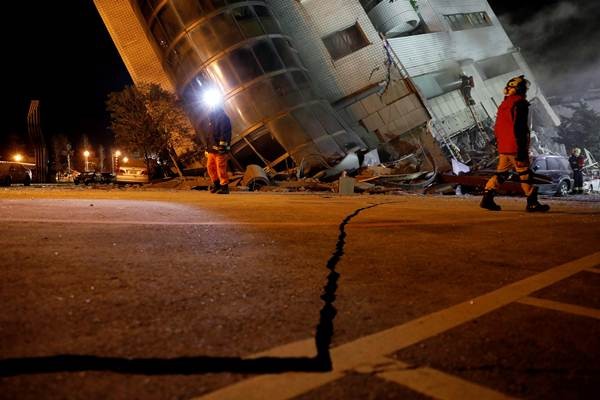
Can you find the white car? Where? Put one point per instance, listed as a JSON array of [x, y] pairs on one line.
[[591, 181], [127, 174]]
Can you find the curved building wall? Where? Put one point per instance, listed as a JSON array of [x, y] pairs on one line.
[[240, 47], [392, 18]]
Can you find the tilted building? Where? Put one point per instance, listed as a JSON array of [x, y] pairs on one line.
[[240, 47], [306, 82], [458, 39]]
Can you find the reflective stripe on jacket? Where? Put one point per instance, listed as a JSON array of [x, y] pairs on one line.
[[217, 128]]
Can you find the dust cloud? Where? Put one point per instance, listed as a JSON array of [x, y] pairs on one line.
[[560, 42]]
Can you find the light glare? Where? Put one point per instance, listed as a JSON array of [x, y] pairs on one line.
[[212, 97]]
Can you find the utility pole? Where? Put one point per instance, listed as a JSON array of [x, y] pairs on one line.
[[37, 139]]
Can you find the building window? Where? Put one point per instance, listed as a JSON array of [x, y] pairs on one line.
[[460, 22], [344, 42], [248, 22], [495, 66]]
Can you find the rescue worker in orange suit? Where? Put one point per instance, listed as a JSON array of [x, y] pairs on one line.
[[218, 136], [512, 138], [577, 162]]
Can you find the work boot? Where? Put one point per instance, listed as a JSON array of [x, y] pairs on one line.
[[215, 187], [533, 205], [224, 189], [487, 201]]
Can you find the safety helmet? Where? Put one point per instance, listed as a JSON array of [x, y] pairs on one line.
[[517, 85], [576, 151]]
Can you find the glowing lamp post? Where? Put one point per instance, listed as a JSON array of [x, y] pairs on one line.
[[86, 154], [18, 157]]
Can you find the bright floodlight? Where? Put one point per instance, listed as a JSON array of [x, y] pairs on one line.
[[18, 157], [212, 97], [117, 153], [86, 153], [125, 159]]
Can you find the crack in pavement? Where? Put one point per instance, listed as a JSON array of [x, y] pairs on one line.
[[324, 332], [204, 364]]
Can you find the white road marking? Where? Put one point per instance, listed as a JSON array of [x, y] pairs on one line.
[[369, 350], [563, 307], [302, 348], [438, 384]]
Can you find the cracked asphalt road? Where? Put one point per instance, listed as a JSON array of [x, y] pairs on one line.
[[166, 274]]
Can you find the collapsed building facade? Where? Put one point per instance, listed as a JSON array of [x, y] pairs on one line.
[[307, 82], [461, 58]]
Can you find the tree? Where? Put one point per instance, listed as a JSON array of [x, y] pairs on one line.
[[148, 120], [60, 149], [582, 129], [134, 129], [101, 156], [173, 126]]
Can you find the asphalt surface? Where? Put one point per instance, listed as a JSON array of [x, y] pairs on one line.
[[156, 294]]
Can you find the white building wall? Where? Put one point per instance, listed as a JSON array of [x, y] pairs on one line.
[[442, 7], [390, 114], [423, 54], [431, 52], [394, 18], [133, 42], [480, 43], [308, 21]]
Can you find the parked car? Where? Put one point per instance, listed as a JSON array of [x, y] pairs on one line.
[[108, 177], [558, 169], [130, 174], [591, 181], [88, 178], [14, 172]]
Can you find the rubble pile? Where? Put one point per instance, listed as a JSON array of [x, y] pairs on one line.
[[349, 176]]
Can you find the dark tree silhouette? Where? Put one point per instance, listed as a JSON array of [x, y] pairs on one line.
[[582, 129]]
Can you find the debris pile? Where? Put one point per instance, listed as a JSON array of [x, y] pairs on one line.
[[356, 173]]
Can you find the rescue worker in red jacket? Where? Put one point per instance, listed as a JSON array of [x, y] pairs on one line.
[[512, 138], [218, 136]]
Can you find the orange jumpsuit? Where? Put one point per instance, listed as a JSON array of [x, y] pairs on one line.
[[216, 165], [512, 138], [218, 135]]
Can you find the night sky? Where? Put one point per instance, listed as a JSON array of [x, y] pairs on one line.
[[63, 56], [44, 60]]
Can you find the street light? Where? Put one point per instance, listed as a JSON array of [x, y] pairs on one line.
[[125, 159], [18, 157], [86, 154]]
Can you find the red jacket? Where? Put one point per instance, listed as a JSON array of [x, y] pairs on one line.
[[512, 131]]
